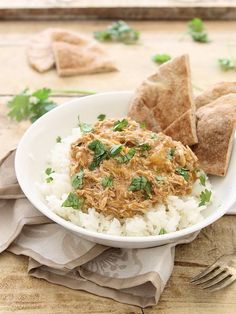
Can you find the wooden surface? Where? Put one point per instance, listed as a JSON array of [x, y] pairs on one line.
[[117, 9], [22, 294]]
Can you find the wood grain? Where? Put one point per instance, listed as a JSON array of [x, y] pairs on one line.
[[22, 294], [116, 9]]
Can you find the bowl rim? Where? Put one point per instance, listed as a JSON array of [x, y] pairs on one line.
[[94, 234]]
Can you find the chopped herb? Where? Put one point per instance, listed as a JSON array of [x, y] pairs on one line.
[[49, 171], [205, 197], [100, 153], [226, 64], [162, 231], [58, 139], [153, 136], [197, 31], [127, 157], [145, 146], [85, 127], [202, 179], [49, 179], [159, 178], [170, 153], [107, 182], [118, 32], [30, 106], [74, 201], [140, 183], [77, 180], [142, 125], [120, 125], [101, 117], [161, 58], [183, 172], [115, 149]]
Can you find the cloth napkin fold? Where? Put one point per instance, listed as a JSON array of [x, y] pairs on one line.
[[136, 276]]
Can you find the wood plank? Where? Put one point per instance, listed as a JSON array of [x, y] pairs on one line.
[[117, 9], [156, 37]]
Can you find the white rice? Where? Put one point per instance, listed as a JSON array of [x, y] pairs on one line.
[[179, 213]]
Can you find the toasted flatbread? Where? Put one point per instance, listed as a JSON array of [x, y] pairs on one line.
[[214, 92], [81, 59], [165, 96], [215, 129], [184, 129]]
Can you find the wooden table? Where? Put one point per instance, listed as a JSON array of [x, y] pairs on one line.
[[22, 294]]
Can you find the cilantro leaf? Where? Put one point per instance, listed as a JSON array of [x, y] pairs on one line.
[[77, 180], [205, 197], [142, 125], [153, 136], [197, 31], [74, 201], [118, 32], [170, 153], [161, 58], [120, 125], [58, 139], [183, 172], [107, 182], [144, 147], [139, 183], [101, 117], [49, 179], [115, 149], [100, 153], [49, 171], [202, 179], [159, 178], [30, 106], [127, 157], [226, 64], [163, 231], [85, 127]]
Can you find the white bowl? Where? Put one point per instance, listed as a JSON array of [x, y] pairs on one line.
[[40, 138]]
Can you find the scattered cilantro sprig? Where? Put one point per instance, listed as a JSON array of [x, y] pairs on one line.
[[77, 180], [85, 127], [100, 153], [196, 29], [226, 64], [118, 31], [163, 231], [127, 157], [205, 197], [74, 201], [141, 183], [183, 172], [101, 117], [107, 182], [119, 125], [48, 172], [161, 58], [170, 153]]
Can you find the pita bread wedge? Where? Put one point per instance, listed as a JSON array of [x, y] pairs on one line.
[[215, 129], [165, 96], [183, 129], [39, 51], [214, 92], [81, 59]]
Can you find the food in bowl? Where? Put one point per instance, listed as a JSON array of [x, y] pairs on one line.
[[118, 178]]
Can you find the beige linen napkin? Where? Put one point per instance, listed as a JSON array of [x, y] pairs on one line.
[[136, 276]]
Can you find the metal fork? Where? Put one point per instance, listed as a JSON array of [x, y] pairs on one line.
[[219, 275]]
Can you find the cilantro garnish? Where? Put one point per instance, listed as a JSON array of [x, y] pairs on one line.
[[85, 127], [30, 106], [107, 182], [115, 149], [142, 125], [162, 231], [205, 197], [118, 32], [74, 201], [153, 136], [202, 179], [144, 147], [77, 180], [49, 179], [226, 64], [120, 125], [100, 153], [161, 58], [170, 153], [127, 157], [101, 117], [49, 171], [58, 139], [183, 172], [159, 178], [140, 183], [197, 31]]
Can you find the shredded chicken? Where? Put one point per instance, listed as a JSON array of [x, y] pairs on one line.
[[168, 166]]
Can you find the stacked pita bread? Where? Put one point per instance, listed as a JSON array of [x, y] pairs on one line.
[[164, 102], [70, 52]]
